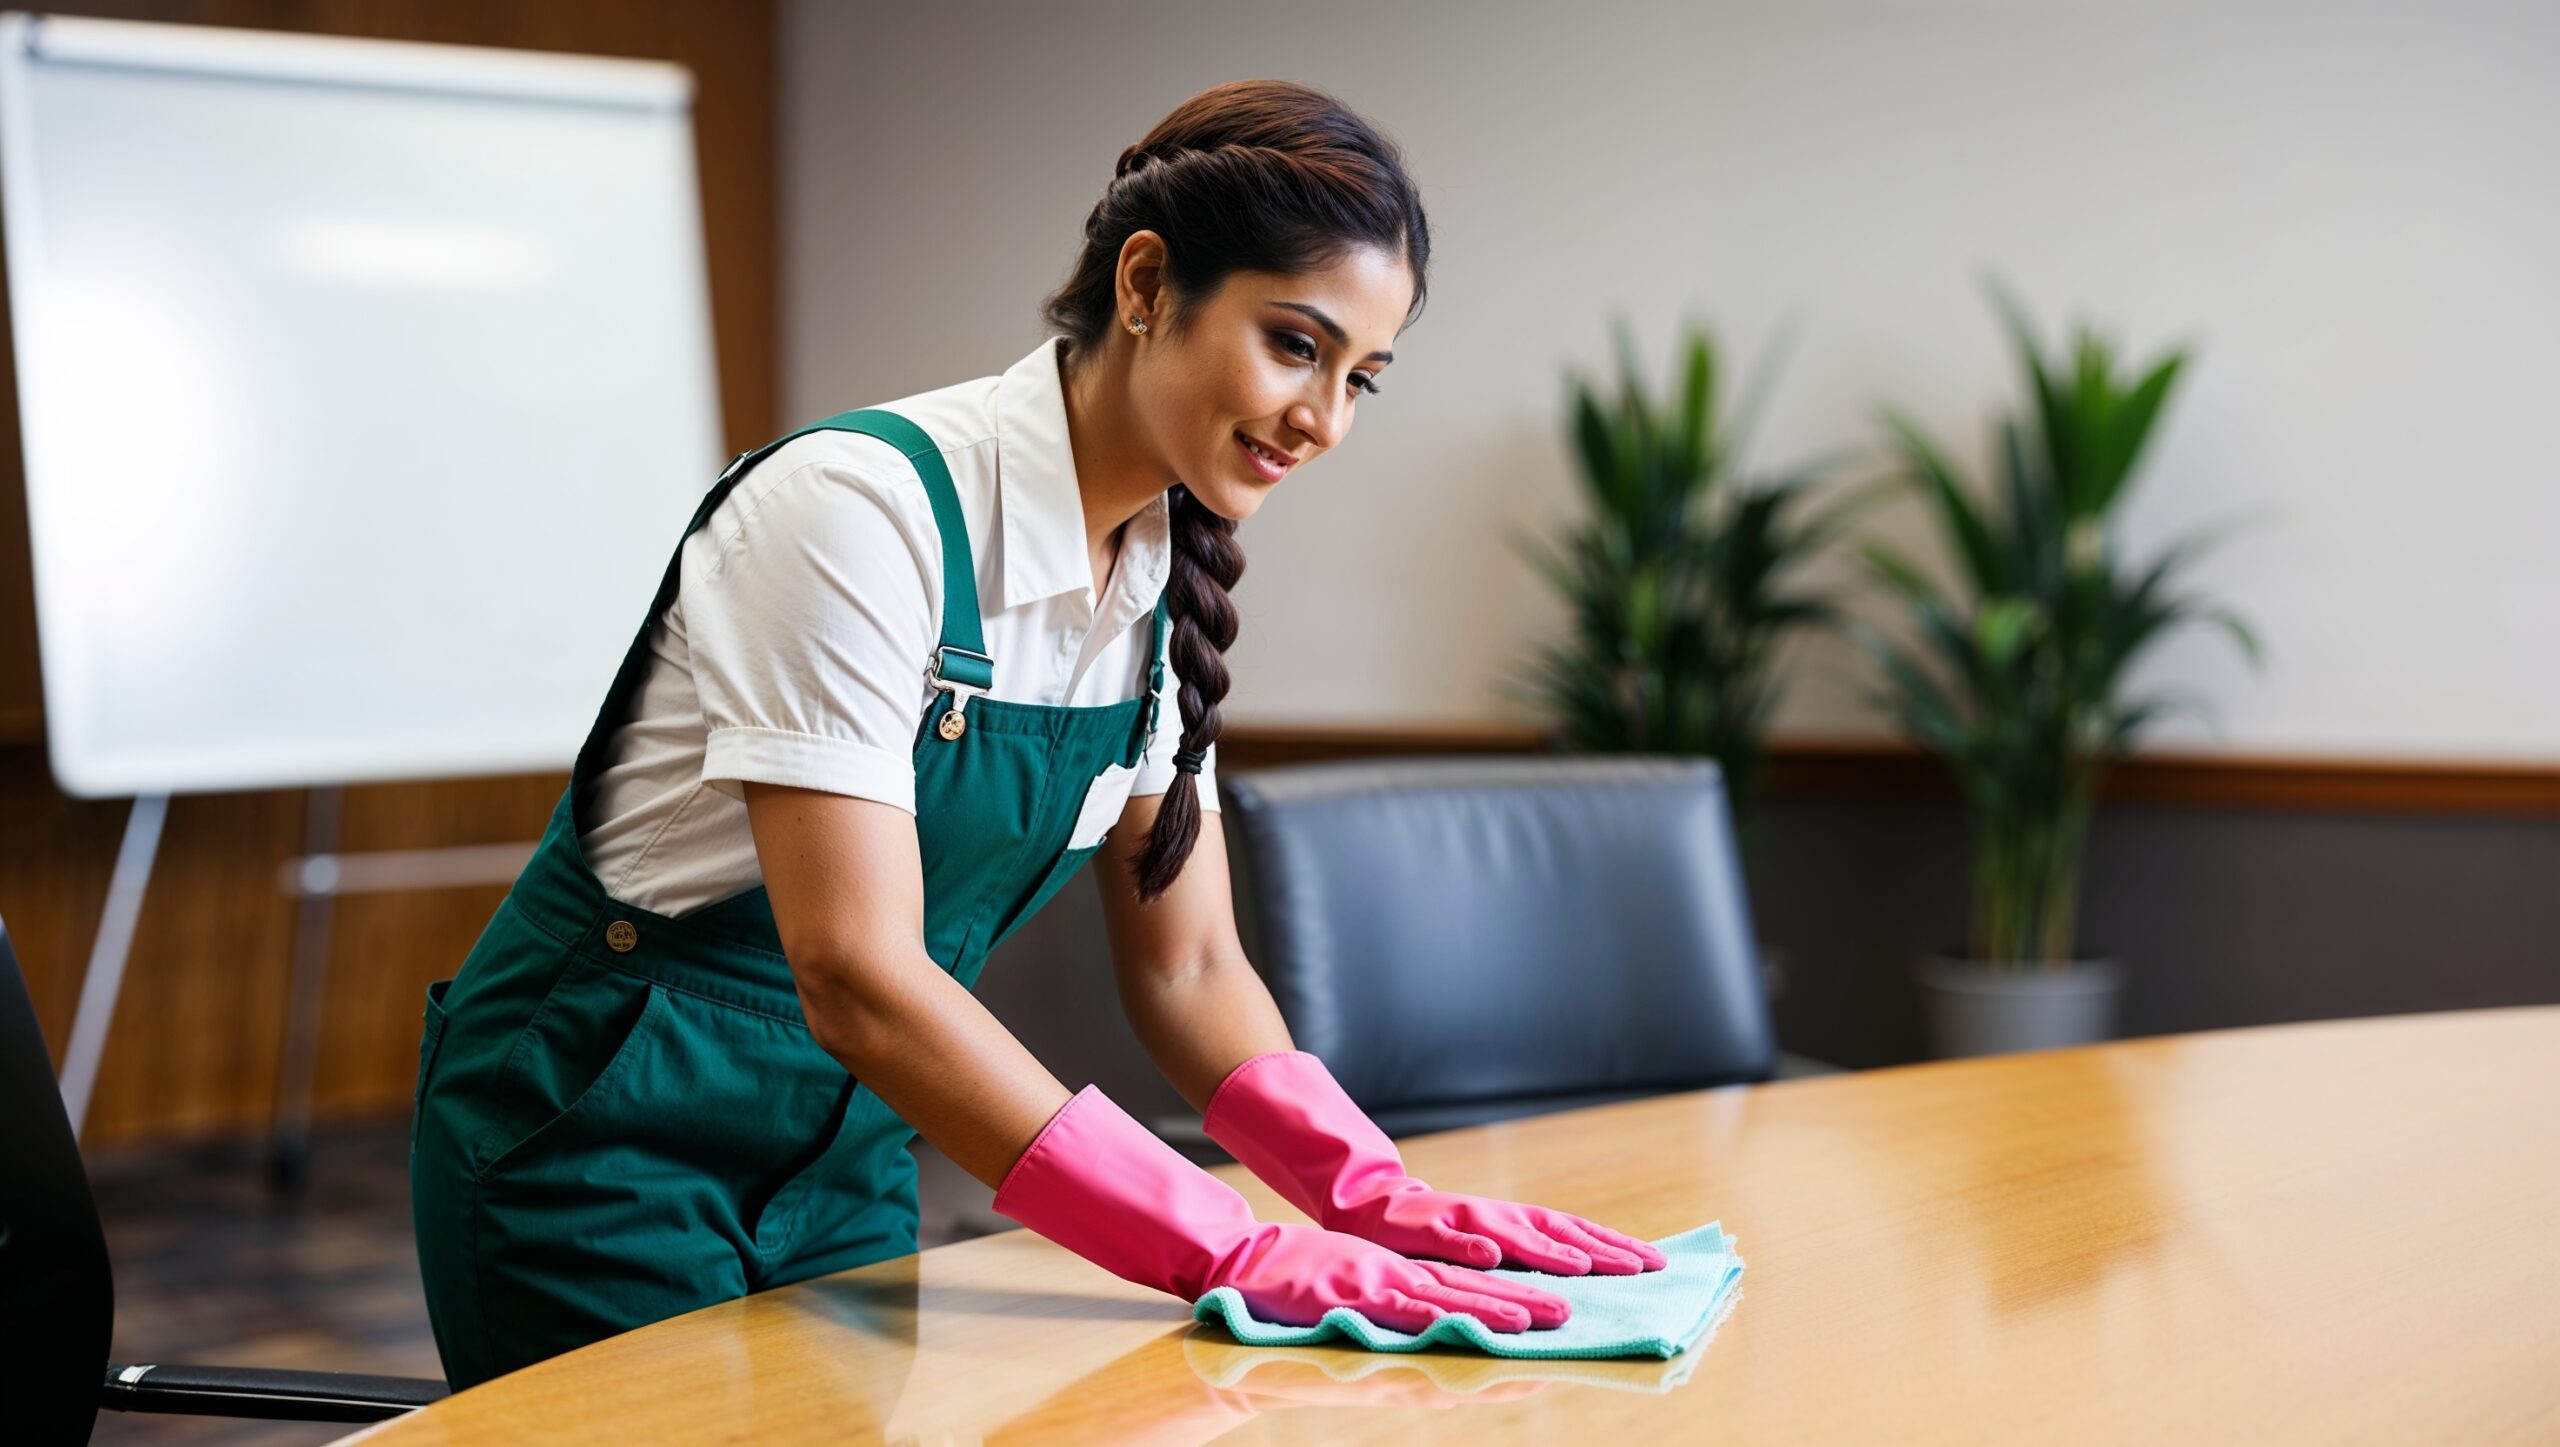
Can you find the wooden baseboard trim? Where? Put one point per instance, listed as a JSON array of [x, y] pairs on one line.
[[1888, 771]]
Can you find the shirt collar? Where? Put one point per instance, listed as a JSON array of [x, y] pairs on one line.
[[1042, 508]]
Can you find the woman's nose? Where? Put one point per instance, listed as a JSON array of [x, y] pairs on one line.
[[1323, 425]]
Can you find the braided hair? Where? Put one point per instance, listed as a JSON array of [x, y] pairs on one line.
[[1253, 175]]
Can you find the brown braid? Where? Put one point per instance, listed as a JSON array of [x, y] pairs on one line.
[[1207, 561]]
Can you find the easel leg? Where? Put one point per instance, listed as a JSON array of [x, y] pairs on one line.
[[108, 953]]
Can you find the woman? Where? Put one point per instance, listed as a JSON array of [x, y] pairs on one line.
[[891, 695]]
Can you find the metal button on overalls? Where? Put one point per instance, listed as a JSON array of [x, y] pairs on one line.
[[607, 1137]]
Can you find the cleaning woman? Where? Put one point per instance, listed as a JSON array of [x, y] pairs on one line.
[[893, 692]]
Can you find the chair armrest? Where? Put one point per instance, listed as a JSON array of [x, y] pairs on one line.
[[267, 1394]]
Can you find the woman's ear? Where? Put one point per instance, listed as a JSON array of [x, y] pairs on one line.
[[1141, 276]]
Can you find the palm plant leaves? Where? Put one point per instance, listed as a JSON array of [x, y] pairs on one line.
[[2017, 679], [1677, 582], [1966, 531]]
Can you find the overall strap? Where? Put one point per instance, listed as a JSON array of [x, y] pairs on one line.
[[962, 653], [960, 656]]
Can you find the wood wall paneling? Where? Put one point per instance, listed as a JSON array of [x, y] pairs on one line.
[[195, 1046]]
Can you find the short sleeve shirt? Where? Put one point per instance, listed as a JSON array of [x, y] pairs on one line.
[[809, 602]]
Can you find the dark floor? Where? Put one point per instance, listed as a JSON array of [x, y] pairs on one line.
[[212, 1266]]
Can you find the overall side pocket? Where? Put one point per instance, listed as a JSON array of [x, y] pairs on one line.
[[588, 1032], [429, 1037]]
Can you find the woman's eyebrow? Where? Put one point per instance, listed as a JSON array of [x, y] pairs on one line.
[[1333, 331]]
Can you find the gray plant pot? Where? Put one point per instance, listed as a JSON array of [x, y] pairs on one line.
[[1973, 1009]]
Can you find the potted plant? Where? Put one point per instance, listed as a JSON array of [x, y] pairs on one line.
[[2017, 677], [1679, 582]]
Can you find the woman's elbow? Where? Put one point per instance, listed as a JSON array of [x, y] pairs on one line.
[[849, 1010]]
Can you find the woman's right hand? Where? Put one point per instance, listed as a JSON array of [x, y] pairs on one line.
[[1103, 1186], [1293, 1275]]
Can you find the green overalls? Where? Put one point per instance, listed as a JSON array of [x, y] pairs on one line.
[[621, 1115]]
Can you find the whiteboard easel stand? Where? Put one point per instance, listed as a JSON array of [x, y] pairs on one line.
[[314, 880], [108, 952]]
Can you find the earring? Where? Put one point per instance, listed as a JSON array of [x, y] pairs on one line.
[[1137, 326]]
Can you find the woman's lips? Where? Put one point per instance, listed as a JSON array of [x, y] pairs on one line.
[[1270, 470]]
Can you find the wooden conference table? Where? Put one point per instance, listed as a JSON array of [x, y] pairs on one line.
[[2328, 1232]]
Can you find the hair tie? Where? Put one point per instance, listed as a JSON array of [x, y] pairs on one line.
[[1188, 761]]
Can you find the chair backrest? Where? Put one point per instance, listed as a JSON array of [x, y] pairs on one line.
[[57, 1298], [1457, 929]]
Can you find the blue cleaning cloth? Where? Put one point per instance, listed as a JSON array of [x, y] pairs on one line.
[[1650, 1314]]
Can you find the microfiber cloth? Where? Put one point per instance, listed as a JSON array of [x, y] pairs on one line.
[[1649, 1314]]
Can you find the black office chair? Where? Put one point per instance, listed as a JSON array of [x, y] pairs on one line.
[[57, 1293], [1475, 939]]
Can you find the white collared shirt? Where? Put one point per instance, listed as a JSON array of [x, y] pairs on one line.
[[808, 602]]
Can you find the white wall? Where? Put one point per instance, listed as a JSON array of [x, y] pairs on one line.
[[2350, 208]]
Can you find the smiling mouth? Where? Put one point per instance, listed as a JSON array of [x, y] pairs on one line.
[[1271, 461]]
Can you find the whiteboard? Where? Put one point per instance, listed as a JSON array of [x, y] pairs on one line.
[[366, 387]]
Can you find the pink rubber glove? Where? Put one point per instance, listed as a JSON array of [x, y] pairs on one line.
[[1288, 1120], [1103, 1186]]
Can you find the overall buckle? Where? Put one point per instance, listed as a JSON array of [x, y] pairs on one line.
[[953, 723]]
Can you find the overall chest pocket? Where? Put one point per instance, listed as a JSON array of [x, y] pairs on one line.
[[1103, 800]]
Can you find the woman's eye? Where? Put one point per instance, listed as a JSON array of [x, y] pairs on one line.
[[1305, 351]]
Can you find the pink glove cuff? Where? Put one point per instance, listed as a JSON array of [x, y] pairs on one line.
[[1289, 1121], [1106, 1188]]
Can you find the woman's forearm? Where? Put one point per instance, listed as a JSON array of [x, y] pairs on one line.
[[1199, 1024], [934, 1054]]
